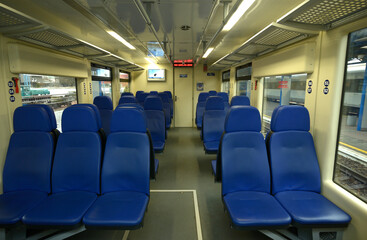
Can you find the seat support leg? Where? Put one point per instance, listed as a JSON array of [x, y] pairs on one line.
[[272, 235], [66, 234], [126, 234]]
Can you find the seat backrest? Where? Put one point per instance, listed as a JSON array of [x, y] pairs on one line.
[[126, 163], [212, 93], [169, 94], [166, 106], [153, 108], [78, 153], [170, 100], [293, 160], [138, 93], [127, 94], [203, 96], [127, 99], [136, 105], [105, 106], [153, 93], [55, 132], [213, 119], [223, 95], [240, 101], [30, 152], [245, 165]]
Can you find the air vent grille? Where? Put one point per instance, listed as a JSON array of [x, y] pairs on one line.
[[51, 38], [8, 19], [277, 36]]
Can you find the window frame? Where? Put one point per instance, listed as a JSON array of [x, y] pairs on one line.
[[247, 77], [229, 77]]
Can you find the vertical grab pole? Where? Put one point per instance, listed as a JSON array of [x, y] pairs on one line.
[[363, 98]]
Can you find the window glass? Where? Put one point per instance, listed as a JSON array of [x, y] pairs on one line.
[[226, 75], [243, 88], [351, 158], [124, 82], [282, 90], [225, 87], [102, 88], [58, 92]]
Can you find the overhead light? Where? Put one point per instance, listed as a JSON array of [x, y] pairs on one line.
[[150, 60], [119, 38], [242, 8], [206, 54], [365, 47]]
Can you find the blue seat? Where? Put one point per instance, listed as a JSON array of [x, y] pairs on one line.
[[27, 169], [125, 174], [296, 181], [75, 173], [141, 98], [200, 107], [225, 97], [246, 174], [170, 99], [127, 99], [105, 107], [126, 94], [136, 105], [153, 93], [213, 123], [212, 93], [166, 108], [240, 101], [138, 93], [55, 132], [153, 108]]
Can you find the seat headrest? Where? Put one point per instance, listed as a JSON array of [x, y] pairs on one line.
[[285, 118], [212, 93], [50, 112], [127, 99], [224, 95], [153, 103], [153, 93], [34, 118], [135, 105], [240, 101], [243, 118], [141, 97], [203, 96], [214, 103], [80, 118], [127, 94], [164, 97], [103, 102], [128, 119], [169, 94], [138, 93], [95, 108]]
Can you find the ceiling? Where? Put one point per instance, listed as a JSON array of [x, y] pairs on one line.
[[163, 30]]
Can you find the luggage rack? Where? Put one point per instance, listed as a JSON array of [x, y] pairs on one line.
[[305, 21], [16, 25]]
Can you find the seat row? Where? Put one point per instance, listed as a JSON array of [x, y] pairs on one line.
[[210, 116], [65, 183], [153, 111], [277, 185]]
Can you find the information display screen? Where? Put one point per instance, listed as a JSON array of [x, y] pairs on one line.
[[156, 75]]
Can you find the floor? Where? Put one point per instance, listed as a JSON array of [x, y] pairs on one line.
[[171, 215]]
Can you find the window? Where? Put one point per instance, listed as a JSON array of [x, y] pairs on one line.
[[58, 92], [243, 80], [124, 82], [101, 81], [351, 158], [282, 90], [225, 81]]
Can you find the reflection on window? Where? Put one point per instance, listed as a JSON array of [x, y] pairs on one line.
[[124, 87], [351, 160], [225, 87], [102, 88], [58, 92], [243, 88], [282, 90]]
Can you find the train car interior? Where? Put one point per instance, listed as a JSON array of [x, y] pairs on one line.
[[183, 119]]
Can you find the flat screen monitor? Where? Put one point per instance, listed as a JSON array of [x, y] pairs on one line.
[[156, 74]]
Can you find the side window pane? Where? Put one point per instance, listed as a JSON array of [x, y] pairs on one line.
[[243, 88], [58, 92], [124, 87], [282, 90], [102, 88], [351, 158], [225, 87]]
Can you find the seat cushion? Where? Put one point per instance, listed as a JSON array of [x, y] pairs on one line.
[[158, 146], [251, 209], [312, 209], [123, 209], [214, 167], [13, 205], [211, 146], [63, 209]]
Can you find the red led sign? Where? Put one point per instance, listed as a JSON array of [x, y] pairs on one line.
[[183, 63]]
